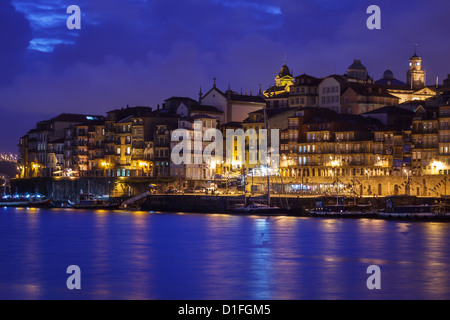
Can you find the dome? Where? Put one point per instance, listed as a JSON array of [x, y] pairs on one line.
[[284, 71], [388, 74], [357, 65]]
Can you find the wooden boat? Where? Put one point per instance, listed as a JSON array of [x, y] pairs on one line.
[[26, 203]]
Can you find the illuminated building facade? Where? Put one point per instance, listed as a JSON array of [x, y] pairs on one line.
[[357, 98], [277, 96], [415, 76], [304, 92], [357, 72], [35, 158], [198, 167], [235, 106], [425, 135], [330, 93]]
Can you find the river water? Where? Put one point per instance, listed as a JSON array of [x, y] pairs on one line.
[[149, 255]]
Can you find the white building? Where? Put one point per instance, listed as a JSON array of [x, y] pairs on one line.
[[197, 167], [235, 107], [330, 93]]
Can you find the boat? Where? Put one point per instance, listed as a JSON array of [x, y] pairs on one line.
[[413, 208], [344, 211], [25, 201], [258, 209], [423, 211], [88, 201]]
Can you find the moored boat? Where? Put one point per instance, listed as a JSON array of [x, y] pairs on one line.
[[26, 201], [258, 209], [344, 211], [423, 211]]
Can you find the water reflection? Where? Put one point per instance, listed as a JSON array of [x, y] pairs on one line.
[[285, 249], [436, 261], [222, 266], [142, 255], [100, 255], [32, 255], [261, 269]]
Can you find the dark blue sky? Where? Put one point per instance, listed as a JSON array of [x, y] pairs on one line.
[[140, 52]]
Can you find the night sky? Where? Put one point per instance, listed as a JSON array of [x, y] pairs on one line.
[[140, 52]]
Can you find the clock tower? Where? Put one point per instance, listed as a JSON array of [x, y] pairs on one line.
[[415, 76]]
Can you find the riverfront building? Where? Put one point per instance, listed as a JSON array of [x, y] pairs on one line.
[[346, 128]]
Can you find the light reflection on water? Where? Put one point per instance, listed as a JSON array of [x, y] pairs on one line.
[[141, 255]]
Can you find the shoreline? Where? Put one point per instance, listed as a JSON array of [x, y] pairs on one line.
[[299, 206], [374, 216]]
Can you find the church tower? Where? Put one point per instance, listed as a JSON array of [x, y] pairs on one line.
[[284, 77], [415, 76]]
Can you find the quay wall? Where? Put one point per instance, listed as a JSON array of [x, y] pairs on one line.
[[216, 204], [69, 189], [372, 190], [373, 186]]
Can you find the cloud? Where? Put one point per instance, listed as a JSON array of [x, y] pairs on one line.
[[258, 6], [47, 20], [114, 83]]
